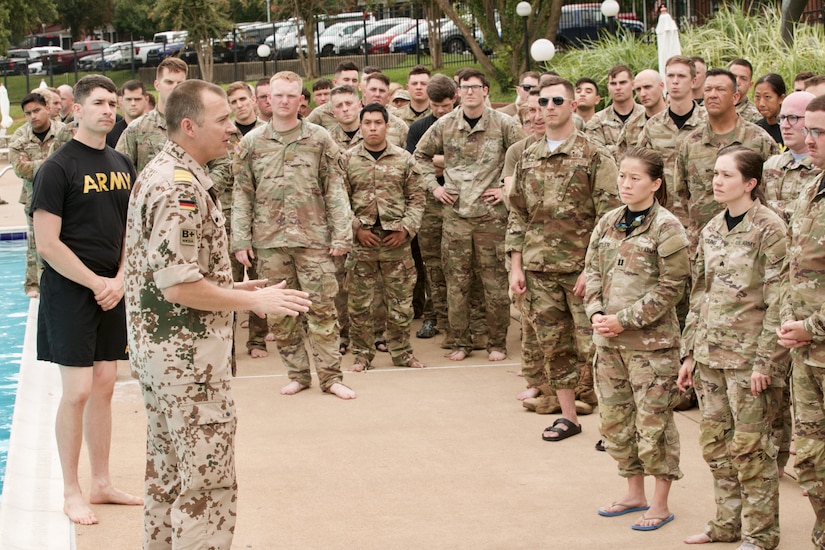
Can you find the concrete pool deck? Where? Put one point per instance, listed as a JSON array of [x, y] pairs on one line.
[[442, 457]]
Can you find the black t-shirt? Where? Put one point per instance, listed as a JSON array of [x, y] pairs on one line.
[[246, 128], [772, 129], [416, 132], [114, 134], [680, 120], [733, 221], [622, 117], [89, 189]]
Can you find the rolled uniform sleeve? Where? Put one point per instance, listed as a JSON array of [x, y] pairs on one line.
[[176, 230]]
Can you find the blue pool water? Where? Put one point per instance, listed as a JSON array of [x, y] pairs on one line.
[[13, 314]]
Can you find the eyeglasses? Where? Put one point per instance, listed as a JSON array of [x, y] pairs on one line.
[[634, 223], [470, 87], [527, 87], [792, 119], [815, 132], [557, 101]]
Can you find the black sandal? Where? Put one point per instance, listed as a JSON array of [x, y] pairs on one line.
[[342, 349], [381, 345], [571, 430]]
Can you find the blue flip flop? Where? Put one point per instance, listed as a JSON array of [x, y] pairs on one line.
[[662, 523], [622, 512]]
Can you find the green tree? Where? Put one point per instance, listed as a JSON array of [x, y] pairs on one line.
[[83, 16], [243, 10], [133, 18], [205, 20], [21, 17]]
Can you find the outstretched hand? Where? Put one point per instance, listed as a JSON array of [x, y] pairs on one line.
[[279, 300]]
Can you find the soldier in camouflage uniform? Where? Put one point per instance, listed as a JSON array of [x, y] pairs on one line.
[[419, 105], [345, 73], [179, 304], [606, 125], [731, 354], [743, 70], [291, 214], [697, 154], [789, 171], [387, 200], [28, 148], [558, 195], [636, 269], [145, 136], [474, 217], [649, 88], [803, 324]]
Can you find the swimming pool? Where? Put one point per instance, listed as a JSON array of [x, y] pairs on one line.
[[13, 314]]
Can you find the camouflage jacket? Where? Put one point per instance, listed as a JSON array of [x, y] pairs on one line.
[[629, 134], [143, 139], [175, 234], [220, 172], [784, 180], [27, 153], [693, 170], [734, 302], [747, 110], [396, 133], [639, 278], [803, 290], [322, 116], [290, 194], [409, 116], [387, 192], [662, 135], [473, 158], [556, 200], [605, 126]]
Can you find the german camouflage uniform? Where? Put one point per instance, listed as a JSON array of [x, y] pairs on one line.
[[785, 178], [473, 230], [26, 154], [143, 139], [409, 116], [747, 110], [220, 172], [802, 299], [181, 356], [639, 278], [605, 126], [386, 195], [662, 135], [556, 200], [693, 172], [731, 333], [289, 205]]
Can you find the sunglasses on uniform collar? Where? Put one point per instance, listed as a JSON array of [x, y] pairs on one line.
[[558, 101]]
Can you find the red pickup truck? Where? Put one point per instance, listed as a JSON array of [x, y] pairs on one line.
[[64, 61]]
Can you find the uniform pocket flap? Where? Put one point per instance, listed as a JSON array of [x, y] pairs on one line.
[[209, 412]]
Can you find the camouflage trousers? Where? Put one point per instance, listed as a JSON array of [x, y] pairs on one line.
[[808, 387], [390, 269], [313, 271], [779, 400], [429, 242], [379, 311], [257, 325], [469, 244], [556, 338], [637, 391], [734, 434], [191, 492], [34, 265]]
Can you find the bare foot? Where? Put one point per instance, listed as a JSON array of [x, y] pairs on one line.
[[496, 355], [292, 388], [341, 391], [77, 510], [413, 363], [519, 373], [701, 538], [36, 294], [245, 324], [804, 492], [257, 353], [456, 356], [529, 393], [110, 495], [781, 472], [359, 366], [269, 337]]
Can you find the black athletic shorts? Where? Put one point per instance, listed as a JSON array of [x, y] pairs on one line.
[[72, 330]]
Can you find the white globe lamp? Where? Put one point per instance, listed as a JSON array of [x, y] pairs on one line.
[[610, 8], [524, 9], [542, 50], [264, 51]]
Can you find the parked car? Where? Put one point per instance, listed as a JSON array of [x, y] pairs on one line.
[[583, 23], [453, 42], [220, 54], [87, 48], [380, 43], [115, 57], [20, 61], [408, 42], [55, 58], [354, 45], [284, 43], [328, 41]]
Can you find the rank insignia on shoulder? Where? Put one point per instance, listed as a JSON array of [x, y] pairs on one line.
[[188, 205], [182, 175], [188, 236]]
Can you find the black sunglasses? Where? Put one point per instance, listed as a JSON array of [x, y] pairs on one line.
[[527, 87], [557, 100]]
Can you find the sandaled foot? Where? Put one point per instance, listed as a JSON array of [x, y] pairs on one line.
[[529, 393], [651, 523], [621, 508], [561, 429], [381, 345], [701, 538], [269, 337], [496, 355], [457, 355], [360, 366], [292, 388], [749, 546], [78, 511], [111, 495], [257, 353], [342, 348], [340, 390]]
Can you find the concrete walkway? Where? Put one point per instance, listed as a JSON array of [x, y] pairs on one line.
[[443, 457]]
